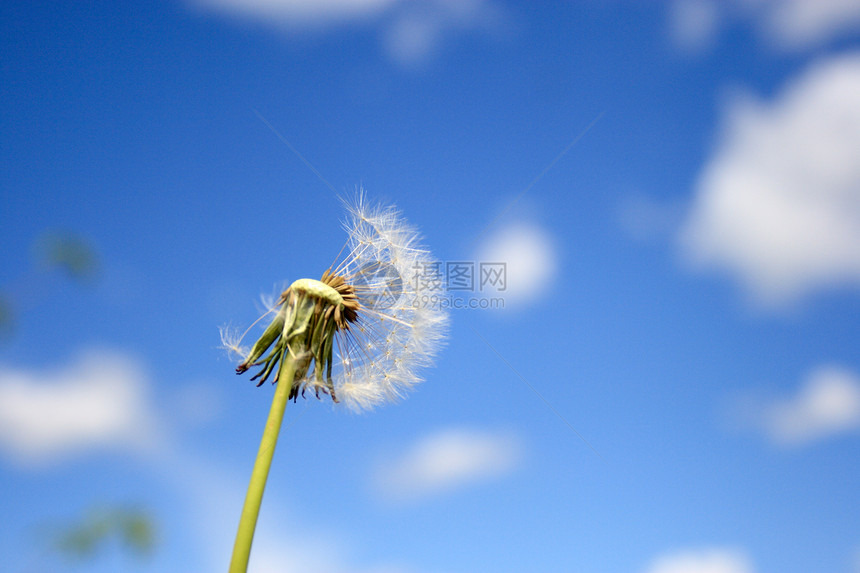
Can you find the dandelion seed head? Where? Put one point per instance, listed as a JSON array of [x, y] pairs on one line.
[[393, 331]]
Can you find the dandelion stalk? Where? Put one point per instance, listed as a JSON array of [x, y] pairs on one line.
[[254, 497]]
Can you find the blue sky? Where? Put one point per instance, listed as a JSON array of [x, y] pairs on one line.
[[673, 385]]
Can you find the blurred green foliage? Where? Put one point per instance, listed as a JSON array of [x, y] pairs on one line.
[[69, 253], [7, 317], [64, 251], [133, 528]]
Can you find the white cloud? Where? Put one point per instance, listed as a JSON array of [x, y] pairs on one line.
[[410, 32], [447, 460], [693, 24], [299, 12], [778, 205], [195, 404], [417, 33], [799, 24], [712, 560], [279, 550], [530, 261], [285, 540], [412, 38], [99, 400], [308, 549], [645, 218], [786, 25], [828, 404]]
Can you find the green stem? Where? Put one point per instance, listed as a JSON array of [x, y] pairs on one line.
[[254, 497]]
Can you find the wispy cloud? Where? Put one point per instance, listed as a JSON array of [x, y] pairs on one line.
[[299, 12], [784, 25], [827, 404], [645, 218], [694, 24], [418, 32], [708, 560], [99, 400], [409, 32], [447, 460], [778, 204], [311, 550], [801, 24], [285, 541], [282, 550], [530, 259]]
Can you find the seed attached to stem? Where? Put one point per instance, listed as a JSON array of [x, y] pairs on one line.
[[309, 316]]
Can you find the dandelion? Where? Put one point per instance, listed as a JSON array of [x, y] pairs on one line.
[[359, 335]]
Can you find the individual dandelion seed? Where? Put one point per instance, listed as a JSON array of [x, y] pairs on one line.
[[360, 333]]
